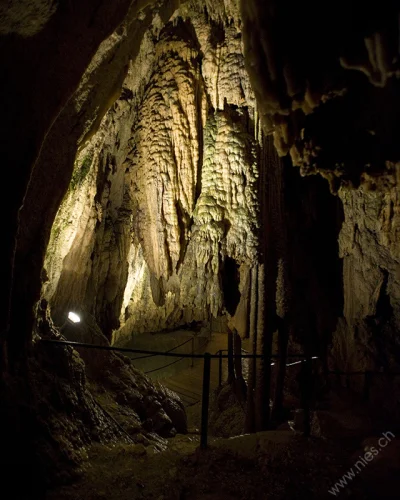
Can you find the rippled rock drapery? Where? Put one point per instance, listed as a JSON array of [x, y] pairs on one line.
[[166, 189]]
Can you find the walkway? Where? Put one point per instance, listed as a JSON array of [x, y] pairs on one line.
[[188, 383]]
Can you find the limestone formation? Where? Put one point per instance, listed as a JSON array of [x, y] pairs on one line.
[[166, 190], [366, 338], [80, 397], [25, 18], [325, 64]]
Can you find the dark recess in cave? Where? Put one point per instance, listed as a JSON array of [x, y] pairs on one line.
[[217, 36], [315, 218], [366, 139], [230, 284]]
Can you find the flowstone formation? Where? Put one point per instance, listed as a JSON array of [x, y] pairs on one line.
[[164, 194], [326, 64]]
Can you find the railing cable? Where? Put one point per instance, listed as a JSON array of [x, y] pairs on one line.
[[170, 350], [165, 366]]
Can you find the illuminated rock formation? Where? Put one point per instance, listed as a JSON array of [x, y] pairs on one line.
[[165, 190], [173, 161]]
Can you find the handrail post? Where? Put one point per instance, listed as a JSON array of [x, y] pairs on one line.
[[205, 400], [220, 368]]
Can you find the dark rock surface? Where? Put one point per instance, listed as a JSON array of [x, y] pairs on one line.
[[79, 399]]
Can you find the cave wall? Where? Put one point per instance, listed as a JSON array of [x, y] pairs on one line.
[[366, 337], [56, 111], [48, 415]]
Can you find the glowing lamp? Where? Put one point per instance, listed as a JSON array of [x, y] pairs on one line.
[[74, 317]]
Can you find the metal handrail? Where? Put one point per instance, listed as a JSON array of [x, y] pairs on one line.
[[165, 366], [305, 363], [157, 353], [169, 350], [244, 356], [176, 361]]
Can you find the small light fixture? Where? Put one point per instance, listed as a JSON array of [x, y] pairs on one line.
[[73, 317]]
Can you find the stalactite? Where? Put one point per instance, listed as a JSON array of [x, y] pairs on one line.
[[262, 378], [283, 338], [272, 249], [291, 92], [283, 287], [231, 364]]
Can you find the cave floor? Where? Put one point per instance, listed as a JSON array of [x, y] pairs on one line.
[[269, 465]]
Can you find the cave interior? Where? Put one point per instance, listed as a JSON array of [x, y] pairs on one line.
[[210, 175]]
